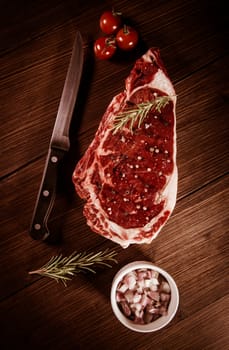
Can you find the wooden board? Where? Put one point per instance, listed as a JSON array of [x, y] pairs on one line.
[[36, 42]]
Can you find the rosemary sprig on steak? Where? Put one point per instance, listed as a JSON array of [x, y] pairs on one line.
[[138, 112], [64, 268]]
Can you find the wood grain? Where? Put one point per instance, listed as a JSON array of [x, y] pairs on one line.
[[36, 41]]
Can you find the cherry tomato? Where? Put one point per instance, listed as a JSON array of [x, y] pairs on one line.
[[105, 47], [127, 38], [110, 22]]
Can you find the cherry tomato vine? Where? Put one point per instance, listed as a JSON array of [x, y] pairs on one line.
[[117, 35]]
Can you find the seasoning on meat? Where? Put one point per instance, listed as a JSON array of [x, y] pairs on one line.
[[128, 175]]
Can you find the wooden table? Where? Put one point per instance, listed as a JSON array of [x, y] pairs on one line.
[[36, 42]]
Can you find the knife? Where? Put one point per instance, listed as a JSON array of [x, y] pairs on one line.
[[59, 143]]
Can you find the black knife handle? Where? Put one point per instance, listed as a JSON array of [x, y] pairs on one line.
[[46, 195]]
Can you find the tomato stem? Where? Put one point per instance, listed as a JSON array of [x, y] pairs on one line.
[[116, 13], [110, 41], [125, 29]]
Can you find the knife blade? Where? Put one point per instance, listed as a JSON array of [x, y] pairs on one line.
[[59, 144]]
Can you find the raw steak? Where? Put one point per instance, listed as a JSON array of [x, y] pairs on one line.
[[128, 176]]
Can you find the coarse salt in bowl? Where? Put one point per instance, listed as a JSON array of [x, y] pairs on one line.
[[144, 297]]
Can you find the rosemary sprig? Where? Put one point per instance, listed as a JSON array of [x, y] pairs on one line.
[[139, 112], [64, 268]]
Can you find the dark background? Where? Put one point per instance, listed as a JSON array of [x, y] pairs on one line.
[[36, 39]]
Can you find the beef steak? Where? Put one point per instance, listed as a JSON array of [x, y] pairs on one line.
[[128, 175]]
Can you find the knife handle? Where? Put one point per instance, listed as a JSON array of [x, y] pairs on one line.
[[46, 195]]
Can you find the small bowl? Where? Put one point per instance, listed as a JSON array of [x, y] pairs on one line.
[[162, 321]]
